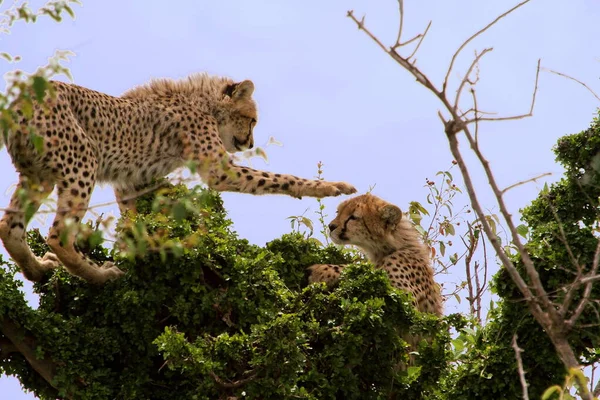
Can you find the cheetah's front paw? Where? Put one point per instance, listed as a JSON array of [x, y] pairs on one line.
[[49, 261], [111, 271], [345, 188], [336, 189]]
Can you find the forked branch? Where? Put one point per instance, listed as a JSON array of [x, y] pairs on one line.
[[534, 293]]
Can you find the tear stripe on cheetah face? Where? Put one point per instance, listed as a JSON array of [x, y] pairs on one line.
[[390, 242], [90, 137]]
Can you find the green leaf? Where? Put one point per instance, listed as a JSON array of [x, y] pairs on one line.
[[30, 210], [39, 85], [37, 141], [95, 239], [179, 211], [551, 391], [413, 373], [307, 222], [69, 11], [454, 258], [458, 344], [457, 297], [442, 249], [523, 230]]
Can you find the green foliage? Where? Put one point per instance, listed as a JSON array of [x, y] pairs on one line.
[[219, 317], [22, 88]]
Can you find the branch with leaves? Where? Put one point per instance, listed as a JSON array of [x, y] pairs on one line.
[[557, 320]]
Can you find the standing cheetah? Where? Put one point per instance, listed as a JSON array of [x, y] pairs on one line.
[[151, 130], [390, 242]]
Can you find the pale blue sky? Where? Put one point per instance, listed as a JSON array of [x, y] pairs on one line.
[[329, 94]]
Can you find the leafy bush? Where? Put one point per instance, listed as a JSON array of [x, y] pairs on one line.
[[203, 314], [564, 212]]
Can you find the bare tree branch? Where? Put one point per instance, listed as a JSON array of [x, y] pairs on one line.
[[518, 352], [516, 117], [479, 32], [534, 179], [400, 24], [588, 289], [573, 79], [534, 293], [421, 36], [235, 384], [465, 79]]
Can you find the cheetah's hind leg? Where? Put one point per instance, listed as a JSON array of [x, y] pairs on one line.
[[73, 200], [27, 198]]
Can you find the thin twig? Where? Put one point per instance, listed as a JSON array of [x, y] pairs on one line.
[[474, 96], [573, 79], [421, 36], [400, 24], [466, 42], [234, 384], [538, 301], [465, 79], [470, 252], [518, 352], [534, 179], [516, 117], [588, 289]]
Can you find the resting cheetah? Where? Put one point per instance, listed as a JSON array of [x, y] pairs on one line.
[[390, 242], [151, 130]]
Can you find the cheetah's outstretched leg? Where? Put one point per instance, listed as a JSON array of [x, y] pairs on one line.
[[73, 199], [27, 197], [223, 175]]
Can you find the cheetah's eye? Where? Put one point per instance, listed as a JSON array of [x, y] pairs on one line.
[[352, 217]]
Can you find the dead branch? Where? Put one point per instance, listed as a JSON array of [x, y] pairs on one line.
[[234, 384], [518, 352], [534, 179], [466, 79], [596, 391], [471, 246], [420, 36], [588, 288], [479, 32], [534, 293], [573, 79], [516, 117]]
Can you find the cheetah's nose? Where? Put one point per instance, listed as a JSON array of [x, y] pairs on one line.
[[332, 227]]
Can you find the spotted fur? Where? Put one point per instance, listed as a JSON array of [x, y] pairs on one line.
[[91, 137], [390, 242]]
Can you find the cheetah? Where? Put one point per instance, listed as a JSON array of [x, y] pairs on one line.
[[129, 141], [390, 242]]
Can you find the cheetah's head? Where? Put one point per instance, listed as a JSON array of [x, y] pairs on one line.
[[238, 116], [365, 221]]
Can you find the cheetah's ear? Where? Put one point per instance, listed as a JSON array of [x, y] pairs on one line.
[[242, 90], [390, 214]]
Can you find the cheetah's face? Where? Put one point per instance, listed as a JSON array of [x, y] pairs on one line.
[[364, 221], [238, 121]]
